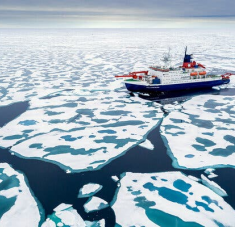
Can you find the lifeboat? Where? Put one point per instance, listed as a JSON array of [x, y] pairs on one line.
[[202, 73], [193, 74]]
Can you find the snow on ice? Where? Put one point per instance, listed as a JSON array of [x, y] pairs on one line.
[[80, 117], [115, 178], [202, 134], [95, 203], [89, 190], [147, 144], [64, 215], [80, 133], [213, 186], [163, 199], [210, 172], [18, 206]]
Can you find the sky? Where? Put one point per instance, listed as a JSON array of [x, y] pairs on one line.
[[117, 13]]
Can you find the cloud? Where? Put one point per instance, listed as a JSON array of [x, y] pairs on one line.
[[77, 12]]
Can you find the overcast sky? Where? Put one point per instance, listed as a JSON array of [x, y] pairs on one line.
[[117, 13]]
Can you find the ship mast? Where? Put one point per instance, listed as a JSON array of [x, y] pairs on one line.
[[185, 54]]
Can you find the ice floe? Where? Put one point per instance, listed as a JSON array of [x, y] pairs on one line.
[[62, 207], [202, 134], [147, 144], [193, 178], [89, 190], [95, 203], [211, 173], [64, 215], [18, 206], [80, 133], [162, 199], [213, 186], [115, 178]]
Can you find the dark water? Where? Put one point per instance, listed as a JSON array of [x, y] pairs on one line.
[[52, 186], [8, 113]]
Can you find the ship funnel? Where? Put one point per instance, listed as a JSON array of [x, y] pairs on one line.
[[187, 57]]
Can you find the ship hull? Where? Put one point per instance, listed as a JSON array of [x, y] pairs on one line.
[[135, 87]]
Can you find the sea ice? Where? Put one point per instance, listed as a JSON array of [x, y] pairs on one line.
[[115, 178], [202, 134], [210, 173], [62, 207], [193, 178], [213, 186], [147, 144], [163, 199], [89, 190], [171, 107], [64, 215], [80, 133], [79, 116], [18, 206], [232, 80], [95, 203], [100, 223], [216, 88]]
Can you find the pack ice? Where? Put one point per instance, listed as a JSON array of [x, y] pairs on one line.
[[79, 117], [163, 199], [65, 215], [17, 205], [80, 131], [95, 121], [202, 133]]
